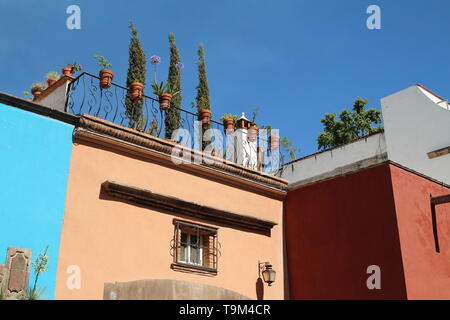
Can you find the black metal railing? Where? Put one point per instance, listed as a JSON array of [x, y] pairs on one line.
[[86, 96]]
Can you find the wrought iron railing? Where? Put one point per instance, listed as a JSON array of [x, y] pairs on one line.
[[86, 96]]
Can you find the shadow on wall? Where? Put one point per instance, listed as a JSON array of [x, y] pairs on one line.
[[259, 289]]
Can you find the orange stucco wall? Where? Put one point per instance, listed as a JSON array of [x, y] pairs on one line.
[[113, 241], [427, 272]]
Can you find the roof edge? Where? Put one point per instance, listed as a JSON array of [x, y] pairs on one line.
[[112, 135], [33, 107]]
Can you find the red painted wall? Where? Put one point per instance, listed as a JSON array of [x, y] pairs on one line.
[[427, 272], [335, 229]]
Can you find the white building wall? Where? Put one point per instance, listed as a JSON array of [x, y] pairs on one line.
[[56, 99], [359, 154], [415, 124]]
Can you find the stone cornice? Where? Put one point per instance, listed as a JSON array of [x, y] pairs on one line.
[[115, 136], [181, 207]]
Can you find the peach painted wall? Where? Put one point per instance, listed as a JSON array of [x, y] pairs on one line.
[[427, 273], [112, 241]]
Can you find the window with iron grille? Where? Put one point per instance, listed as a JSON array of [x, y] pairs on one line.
[[195, 246]]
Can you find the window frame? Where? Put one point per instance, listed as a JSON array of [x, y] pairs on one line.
[[189, 245], [212, 250]]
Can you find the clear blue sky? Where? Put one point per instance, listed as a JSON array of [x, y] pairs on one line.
[[296, 59]]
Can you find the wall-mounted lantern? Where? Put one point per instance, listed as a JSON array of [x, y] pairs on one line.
[[267, 272]]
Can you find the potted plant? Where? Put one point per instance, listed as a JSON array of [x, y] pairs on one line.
[[229, 121], [52, 77], [204, 112], [274, 141], [165, 94], [37, 88], [136, 90], [71, 69], [253, 128], [105, 74], [204, 115]]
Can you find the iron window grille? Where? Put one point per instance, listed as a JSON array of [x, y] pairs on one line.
[[196, 246]]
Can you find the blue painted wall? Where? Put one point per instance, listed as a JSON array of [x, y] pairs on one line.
[[34, 166]]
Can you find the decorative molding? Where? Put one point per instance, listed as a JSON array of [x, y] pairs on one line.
[[174, 205], [110, 135]]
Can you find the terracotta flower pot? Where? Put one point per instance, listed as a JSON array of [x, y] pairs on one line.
[[51, 82], [36, 94], [252, 133], [204, 116], [228, 125], [67, 72], [136, 89], [106, 77], [274, 142], [164, 101]]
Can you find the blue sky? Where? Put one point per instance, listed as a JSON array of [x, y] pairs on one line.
[[295, 59]]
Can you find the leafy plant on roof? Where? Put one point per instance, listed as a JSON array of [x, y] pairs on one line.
[[164, 87], [227, 116], [287, 149], [172, 120], [255, 113], [103, 62], [53, 75], [137, 70], [38, 86], [268, 128], [351, 125], [75, 67], [203, 100]]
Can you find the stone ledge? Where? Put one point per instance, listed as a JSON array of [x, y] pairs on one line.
[[95, 125], [172, 205]]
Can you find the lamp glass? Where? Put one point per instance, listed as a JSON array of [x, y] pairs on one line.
[[269, 275]]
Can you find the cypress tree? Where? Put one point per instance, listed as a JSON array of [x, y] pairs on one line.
[[172, 120], [136, 73], [202, 98]]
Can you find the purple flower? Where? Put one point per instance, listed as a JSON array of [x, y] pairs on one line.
[[155, 60], [180, 65]]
